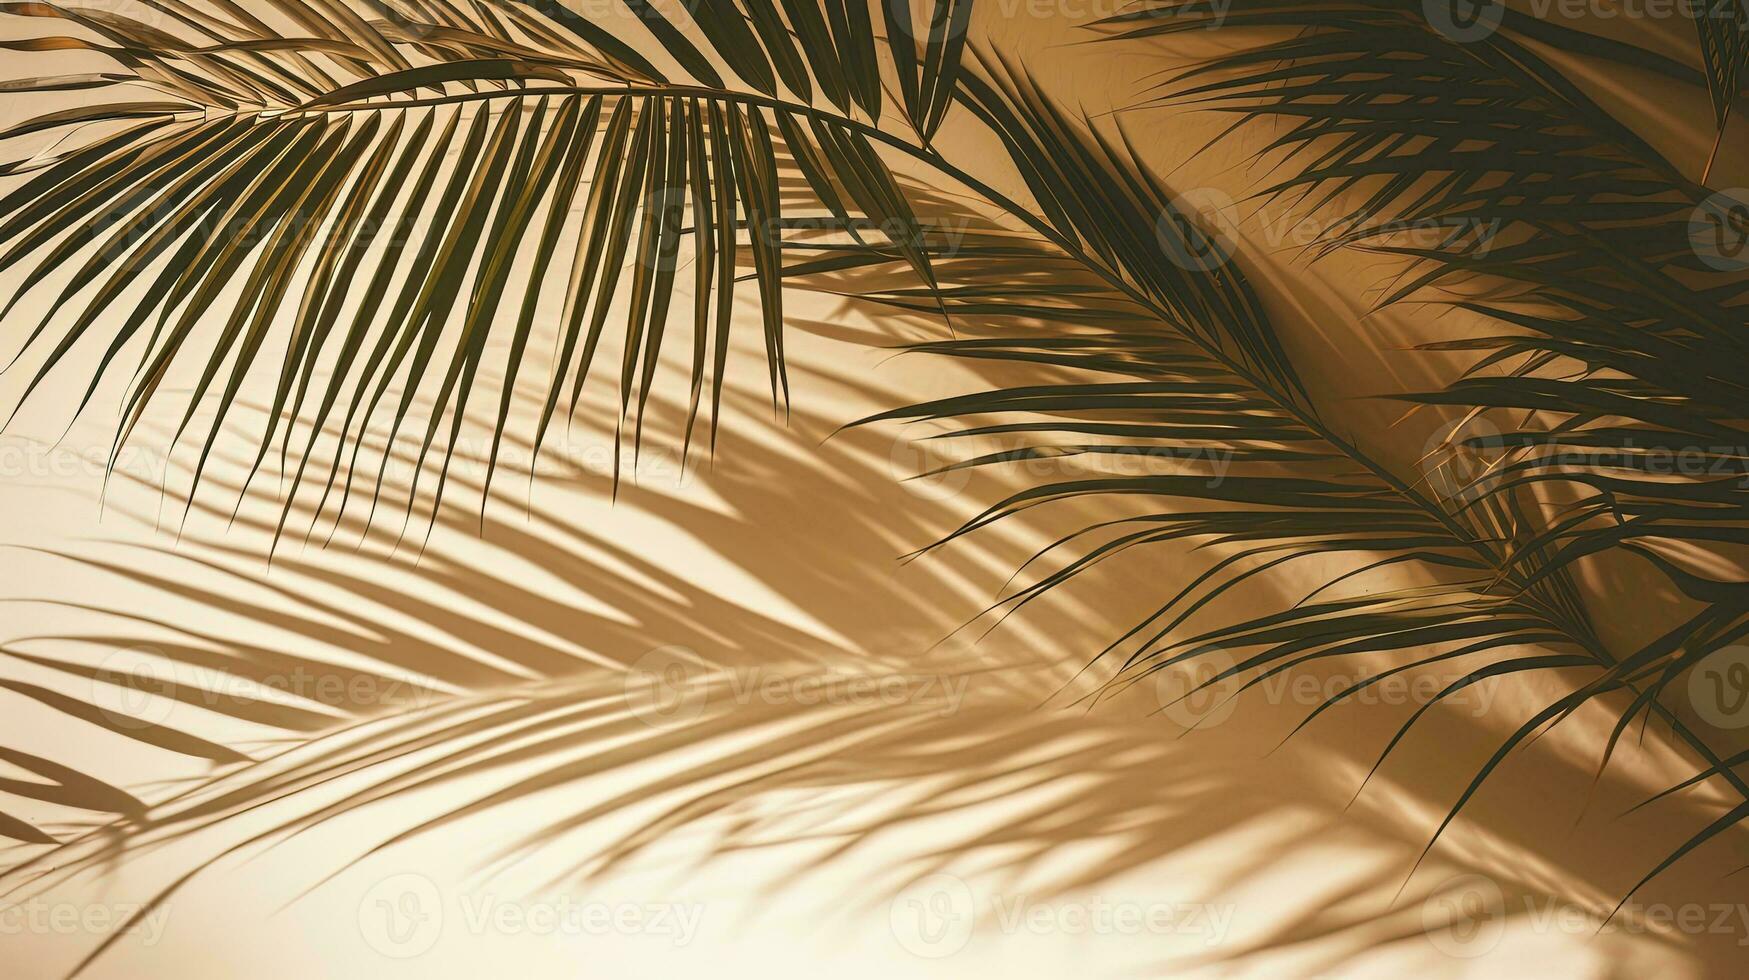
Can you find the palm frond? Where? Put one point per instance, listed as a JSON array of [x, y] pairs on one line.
[[392, 171], [1620, 346], [1619, 332], [1188, 385], [1724, 53]]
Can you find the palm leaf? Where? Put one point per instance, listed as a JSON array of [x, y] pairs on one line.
[[1724, 54], [1588, 233], [1618, 344], [274, 137], [1491, 586], [244, 178]]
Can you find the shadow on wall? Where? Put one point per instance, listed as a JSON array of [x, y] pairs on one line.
[[596, 702]]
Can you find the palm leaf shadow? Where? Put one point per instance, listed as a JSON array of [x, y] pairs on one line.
[[1059, 778]]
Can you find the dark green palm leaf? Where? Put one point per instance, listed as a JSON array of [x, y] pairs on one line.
[[1200, 383], [1620, 345], [330, 160]]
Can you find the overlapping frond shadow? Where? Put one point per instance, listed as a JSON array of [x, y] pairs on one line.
[[558, 705]]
